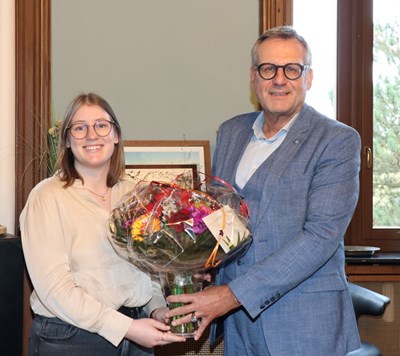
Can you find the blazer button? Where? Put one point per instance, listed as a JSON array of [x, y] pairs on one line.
[[262, 306]]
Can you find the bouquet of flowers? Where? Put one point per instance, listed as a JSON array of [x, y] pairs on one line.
[[165, 229]]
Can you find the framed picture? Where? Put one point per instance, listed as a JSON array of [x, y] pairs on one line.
[[182, 162], [185, 175]]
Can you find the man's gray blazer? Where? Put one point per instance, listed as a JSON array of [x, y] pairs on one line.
[[293, 274]]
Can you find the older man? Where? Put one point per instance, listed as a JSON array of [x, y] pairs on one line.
[[299, 174]]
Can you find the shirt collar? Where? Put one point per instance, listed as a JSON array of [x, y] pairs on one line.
[[258, 125]]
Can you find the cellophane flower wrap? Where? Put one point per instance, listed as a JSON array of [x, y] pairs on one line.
[[162, 227]]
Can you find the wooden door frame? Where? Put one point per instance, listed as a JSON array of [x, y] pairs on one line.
[[32, 112]]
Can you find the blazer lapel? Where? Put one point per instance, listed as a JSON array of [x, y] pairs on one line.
[[276, 164], [240, 140]]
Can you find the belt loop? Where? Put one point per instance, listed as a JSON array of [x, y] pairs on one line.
[[134, 313]]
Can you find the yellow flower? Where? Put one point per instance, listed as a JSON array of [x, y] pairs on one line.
[[142, 224], [54, 131]]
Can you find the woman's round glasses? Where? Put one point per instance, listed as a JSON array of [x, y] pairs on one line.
[[292, 71], [80, 130]]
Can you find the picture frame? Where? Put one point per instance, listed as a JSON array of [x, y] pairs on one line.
[[185, 175], [168, 160]]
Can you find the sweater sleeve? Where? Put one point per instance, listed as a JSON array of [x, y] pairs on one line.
[[157, 301]]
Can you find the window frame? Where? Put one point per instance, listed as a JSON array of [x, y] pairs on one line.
[[355, 108], [354, 104]]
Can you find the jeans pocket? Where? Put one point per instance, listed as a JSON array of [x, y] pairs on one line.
[[53, 329]]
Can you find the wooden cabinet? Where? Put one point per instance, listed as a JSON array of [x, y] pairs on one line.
[[380, 273], [379, 267]]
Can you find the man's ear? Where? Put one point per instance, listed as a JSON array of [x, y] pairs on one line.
[[252, 74], [310, 76]]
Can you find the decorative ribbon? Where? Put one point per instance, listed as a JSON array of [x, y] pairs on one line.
[[211, 261]]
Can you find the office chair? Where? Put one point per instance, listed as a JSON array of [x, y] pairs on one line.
[[367, 302]]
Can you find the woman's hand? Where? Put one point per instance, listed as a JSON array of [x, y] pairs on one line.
[[159, 314], [150, 333]]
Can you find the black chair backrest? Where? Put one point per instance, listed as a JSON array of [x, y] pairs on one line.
[[366, 301]]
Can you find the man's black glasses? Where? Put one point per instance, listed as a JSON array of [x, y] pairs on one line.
[[292, 71]]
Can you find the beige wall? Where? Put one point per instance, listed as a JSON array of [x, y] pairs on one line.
[[7, 114], [171, 69]]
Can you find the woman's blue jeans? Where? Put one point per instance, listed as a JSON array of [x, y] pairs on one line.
[[54, 337]]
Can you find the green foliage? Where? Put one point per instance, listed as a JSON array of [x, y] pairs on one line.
[[386, 127], [53, 135]]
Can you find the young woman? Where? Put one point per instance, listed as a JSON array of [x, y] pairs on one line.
[[86, 299]]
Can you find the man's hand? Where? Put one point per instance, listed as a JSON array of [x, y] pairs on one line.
[[205, 305]]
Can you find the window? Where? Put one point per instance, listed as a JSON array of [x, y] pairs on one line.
[[322, 42], [386, 115], [364, 87], [366, 56]]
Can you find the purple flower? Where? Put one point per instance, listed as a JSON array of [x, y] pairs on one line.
[[198, 214], [127, 224]]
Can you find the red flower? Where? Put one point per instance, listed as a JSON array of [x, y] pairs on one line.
[[176, 221]]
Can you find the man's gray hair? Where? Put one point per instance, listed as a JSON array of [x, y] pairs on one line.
[[281, 32]]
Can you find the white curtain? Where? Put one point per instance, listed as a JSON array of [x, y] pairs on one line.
[[7, 114]]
